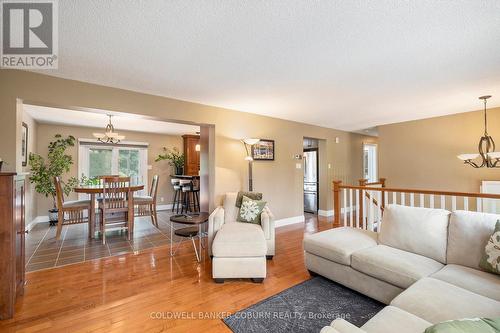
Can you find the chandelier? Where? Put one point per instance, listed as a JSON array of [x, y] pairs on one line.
[[489, 157], [109, 135]]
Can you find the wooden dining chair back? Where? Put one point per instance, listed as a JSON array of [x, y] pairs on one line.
[[146, 205], [69, 212], [116, 204]]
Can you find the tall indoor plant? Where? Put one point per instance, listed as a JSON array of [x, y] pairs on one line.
[[174, 157], [56, 164]]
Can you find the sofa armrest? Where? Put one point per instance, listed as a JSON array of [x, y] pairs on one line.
[[215, 222], [343, 326], [267, 223]]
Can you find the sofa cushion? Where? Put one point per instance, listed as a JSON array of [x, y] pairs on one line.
[[479, 282], [230, 209], [397, 267], [339, 243], [468, 234], [436, 301], [239, 240], [422, 231], [395, 320]]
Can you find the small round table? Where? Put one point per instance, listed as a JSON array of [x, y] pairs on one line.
[[195, 220]]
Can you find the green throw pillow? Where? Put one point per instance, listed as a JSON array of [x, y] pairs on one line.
[[250, 195], [476, 325], [250, 210], [491, 257]]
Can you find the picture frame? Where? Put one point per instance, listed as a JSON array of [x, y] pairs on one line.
[[24, 144], [263, 150]]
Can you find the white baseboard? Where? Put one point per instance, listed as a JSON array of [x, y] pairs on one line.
[[325, 212], [164, 207], [36, 220], [330, 212], [288, 221]]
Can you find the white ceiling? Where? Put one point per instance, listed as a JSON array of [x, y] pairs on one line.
[[341, 64], [49, 115]]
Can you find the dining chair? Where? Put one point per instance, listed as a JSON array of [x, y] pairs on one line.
[[146, 204], [116, 205], [69, 212]]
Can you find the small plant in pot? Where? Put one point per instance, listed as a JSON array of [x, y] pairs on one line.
[[174, 157], [56, 164]]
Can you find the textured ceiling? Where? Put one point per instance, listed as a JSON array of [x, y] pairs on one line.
[[340, 64]]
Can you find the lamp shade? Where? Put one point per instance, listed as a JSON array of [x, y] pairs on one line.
[[467, 157], [251, 141], [494, 154]]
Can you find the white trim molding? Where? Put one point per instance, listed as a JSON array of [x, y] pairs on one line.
[[330, 212], [36, 220], [325, 212], [288, 221]]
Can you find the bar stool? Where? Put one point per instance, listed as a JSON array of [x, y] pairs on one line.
[[177, 193], [186, 186], [196, 195]]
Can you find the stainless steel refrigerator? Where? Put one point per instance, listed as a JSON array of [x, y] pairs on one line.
[[311, 180]]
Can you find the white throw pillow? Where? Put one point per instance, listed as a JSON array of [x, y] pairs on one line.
[[418, 230]]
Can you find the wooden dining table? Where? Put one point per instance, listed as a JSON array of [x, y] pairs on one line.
[[93, 190]]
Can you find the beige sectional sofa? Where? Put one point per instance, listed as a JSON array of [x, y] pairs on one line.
[[424, 263]]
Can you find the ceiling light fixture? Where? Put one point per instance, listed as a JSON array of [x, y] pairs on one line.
[[489, 157], [109, 135]]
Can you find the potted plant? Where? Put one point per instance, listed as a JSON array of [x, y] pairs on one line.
[[174, 157], [56, 164]]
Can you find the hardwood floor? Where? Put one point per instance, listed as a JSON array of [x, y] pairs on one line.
[[149, 291]]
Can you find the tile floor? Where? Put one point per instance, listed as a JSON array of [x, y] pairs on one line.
[[44, 251]]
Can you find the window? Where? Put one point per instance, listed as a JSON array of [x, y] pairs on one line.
[[127, 159], [370, 162]]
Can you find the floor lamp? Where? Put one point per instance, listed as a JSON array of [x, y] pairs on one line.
[[248, 143]]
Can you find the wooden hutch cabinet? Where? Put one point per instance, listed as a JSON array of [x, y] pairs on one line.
[[12, 237], [191, 155]]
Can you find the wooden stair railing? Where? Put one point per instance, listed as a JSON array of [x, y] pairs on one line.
[[362, 206]]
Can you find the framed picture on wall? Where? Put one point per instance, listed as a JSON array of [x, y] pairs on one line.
[[24, 145], [263, 150]]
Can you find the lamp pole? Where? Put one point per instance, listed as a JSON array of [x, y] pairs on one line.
[[250, 180], [248, 143]]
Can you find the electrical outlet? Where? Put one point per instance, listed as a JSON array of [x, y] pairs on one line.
[[298, 165], [161, 199], [329, 166]]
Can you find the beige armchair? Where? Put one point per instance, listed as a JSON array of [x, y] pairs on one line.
[[239, 250]]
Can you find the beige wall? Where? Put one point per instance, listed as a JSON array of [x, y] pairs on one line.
[[30, 195], [280, 181], [422, 154], [156, 142]]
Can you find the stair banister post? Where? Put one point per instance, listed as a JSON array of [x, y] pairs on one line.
[[336, 202]]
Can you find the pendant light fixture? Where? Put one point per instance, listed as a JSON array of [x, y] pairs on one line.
[[489, 158], [109, 135]]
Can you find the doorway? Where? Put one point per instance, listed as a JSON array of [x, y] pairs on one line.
[[370, 162], [311, 175]]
